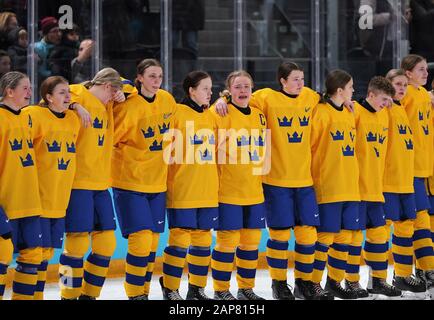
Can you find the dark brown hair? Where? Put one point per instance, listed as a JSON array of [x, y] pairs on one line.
[[48, 86], [285, 69], [337, 79], [192, 80], [145, 64]]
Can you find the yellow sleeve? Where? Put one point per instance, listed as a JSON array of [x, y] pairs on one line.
[[120, 123], [318, 127], [258, 100]]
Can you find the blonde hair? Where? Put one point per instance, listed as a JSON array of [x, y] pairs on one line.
[[10, 80], [392, 74], [106, 75], [4, 19], [239, 73]]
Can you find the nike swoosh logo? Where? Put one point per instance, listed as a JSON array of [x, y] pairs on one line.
[[167, 116], [262, 219], [317, 216], [307, 109], [215, 219], [160, 222]]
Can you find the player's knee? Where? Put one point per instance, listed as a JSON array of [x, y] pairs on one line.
[[104, 243], [344, 237], [326, 238], [250, 239], [201, 238], [228, 240], [47, 254], [357, 237], [180, 238], [155, 241], [139, 243], [422, 221], [377, 235], [305, 235], [77, 244], [404, 229], [280, 235], [30, 256], [6, 251]]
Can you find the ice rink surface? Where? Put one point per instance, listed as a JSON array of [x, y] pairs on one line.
[[113, 288]]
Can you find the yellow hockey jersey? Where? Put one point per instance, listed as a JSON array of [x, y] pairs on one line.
[[94, 144], [192, 178], [54, 142], [372, 139], [140, 125], [241, 155], [417, 104], [399, 166], [335, 169], [289, 119], [19, 193]]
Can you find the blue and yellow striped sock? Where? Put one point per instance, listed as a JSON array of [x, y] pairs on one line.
[[352, 270], [135, 275], [304, 261], [247, 263], [223, 256], [277, 254], [337, 261], [139, 246], [149, 272], [198, 259], [151, 262], [222, 265], [376, 251], [422, 243], [376, 258], [42, 276], [95, 272], [25, 279], [71, 277], [432, 228], [247, 255], [402, 247], [325, 239], [3, 273], [320, 263], [305, 240], [338, 255], [173, 266]]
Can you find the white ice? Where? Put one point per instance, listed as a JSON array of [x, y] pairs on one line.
[[113, 288]]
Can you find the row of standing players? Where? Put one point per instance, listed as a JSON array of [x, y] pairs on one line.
[[312, 183]]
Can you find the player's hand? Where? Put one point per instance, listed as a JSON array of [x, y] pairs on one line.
[[221, 107], [83, 114], [349, 105], [119, 96]]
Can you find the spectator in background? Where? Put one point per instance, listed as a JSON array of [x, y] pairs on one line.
[[8, 21], [188, 19], [422, 28], [17, 50], [82, 65], [422, 31], [51, 38], [5, 63], [60, 58]]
